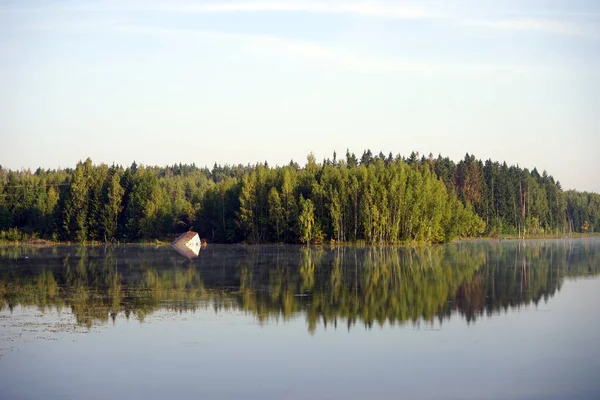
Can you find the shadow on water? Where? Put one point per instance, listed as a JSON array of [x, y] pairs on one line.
[[349, 285]]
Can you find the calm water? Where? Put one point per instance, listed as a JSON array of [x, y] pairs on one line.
[[497, 320]]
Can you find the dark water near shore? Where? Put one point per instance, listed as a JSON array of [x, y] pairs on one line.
[[488, 319]]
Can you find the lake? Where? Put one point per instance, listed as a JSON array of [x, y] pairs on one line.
[[469, 320]]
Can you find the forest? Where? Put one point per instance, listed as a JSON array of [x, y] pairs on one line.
[[373, 199]]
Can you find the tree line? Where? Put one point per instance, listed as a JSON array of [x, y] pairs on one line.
[[371, 199]]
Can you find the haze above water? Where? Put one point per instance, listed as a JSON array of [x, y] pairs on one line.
[[477, 319]]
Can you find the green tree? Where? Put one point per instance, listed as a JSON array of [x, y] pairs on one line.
[[246, 215], [75, 222], [146, 207], [276, 213], [112, 205], [306, 220]]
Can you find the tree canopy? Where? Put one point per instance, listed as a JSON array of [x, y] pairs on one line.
[[371, 199]]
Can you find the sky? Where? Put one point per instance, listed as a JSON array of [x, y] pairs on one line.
[[218, 81]]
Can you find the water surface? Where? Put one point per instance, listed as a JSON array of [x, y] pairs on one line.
[[480, 319]]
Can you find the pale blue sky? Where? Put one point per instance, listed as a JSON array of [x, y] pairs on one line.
[[162, 82]]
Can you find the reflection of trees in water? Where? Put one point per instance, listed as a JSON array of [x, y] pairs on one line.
[[524, 273], [368, 285], [90, 283]]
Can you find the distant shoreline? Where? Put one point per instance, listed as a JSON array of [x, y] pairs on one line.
[[165, 242]]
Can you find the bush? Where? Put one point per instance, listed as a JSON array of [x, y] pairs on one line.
[[11, 235]]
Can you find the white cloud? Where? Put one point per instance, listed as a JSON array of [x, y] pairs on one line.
[[560, 23], [533, 24], [374, 8], [325, 55], [313, 54], [386, 9], [365, 8]]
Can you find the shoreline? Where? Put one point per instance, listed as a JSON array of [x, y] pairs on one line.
[[50, 243]]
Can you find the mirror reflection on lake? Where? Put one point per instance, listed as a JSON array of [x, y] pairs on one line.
[[476, 319]]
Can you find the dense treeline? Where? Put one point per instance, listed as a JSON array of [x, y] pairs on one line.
[[517, 201], [375, 199]]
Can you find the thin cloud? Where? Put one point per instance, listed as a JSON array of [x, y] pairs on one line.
[[314, 54], [562, 14], [383, 9], [401, 10], [364, 8], [325, 55], [533, 24]]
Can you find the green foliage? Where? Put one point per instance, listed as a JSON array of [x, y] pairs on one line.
[[276, 214], [306, 220], [247, 218], [583, 211], [112, 205], [11, 235], [146, 208], [75, 221], [374, 199]]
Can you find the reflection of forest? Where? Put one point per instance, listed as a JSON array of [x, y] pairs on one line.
[[370, 285]]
